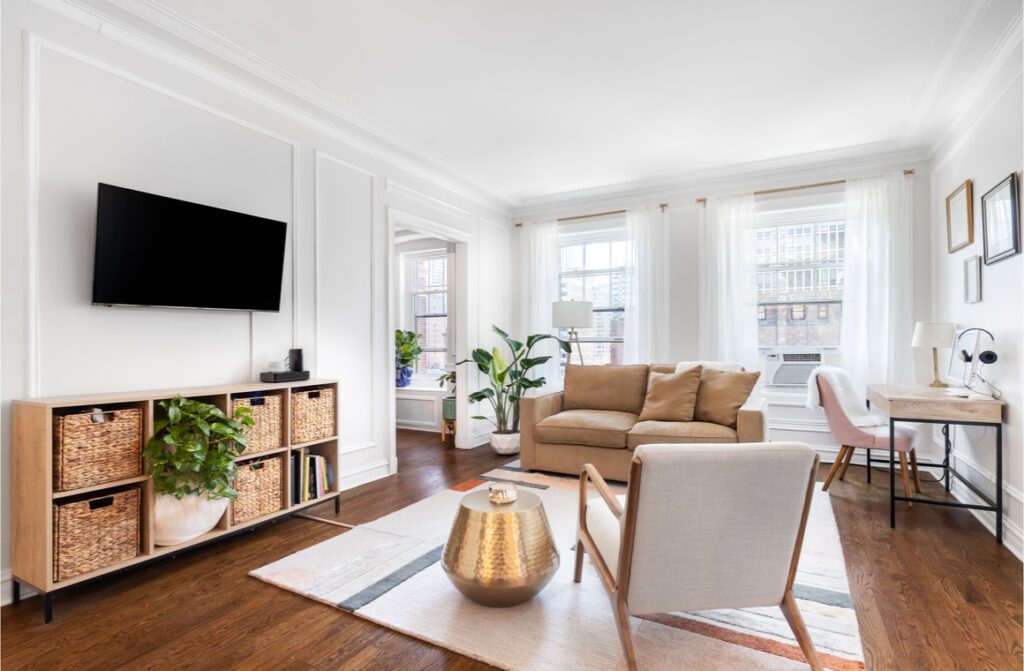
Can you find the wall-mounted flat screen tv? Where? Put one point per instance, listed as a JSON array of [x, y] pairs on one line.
[[157, 251]]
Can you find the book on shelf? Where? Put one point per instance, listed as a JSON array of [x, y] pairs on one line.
[[312, 476]]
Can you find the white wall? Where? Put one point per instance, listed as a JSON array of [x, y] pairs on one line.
[[986, 147], [88, 100]]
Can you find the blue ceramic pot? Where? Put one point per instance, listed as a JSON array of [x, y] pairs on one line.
[[403, 376]]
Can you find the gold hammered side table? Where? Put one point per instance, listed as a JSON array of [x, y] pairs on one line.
[[500, 554]]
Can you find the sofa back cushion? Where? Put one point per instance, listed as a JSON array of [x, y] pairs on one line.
[[671, 397], [620, 388], [720, 395]]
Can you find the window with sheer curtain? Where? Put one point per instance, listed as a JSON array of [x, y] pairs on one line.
[[428, 287], [597, 268]]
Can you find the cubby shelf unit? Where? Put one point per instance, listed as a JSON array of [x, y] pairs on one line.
[[33, 494]]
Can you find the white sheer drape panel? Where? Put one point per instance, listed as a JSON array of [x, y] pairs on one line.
[[727, 315], [646, 320], [878, 280], [539, 267]]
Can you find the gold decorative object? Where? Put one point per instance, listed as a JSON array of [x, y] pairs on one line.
[[502, 492], [500, 554]]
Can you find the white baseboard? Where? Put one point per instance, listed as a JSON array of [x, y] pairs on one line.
[[360, 475], [6, 589]]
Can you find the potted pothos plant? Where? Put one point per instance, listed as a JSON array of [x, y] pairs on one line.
[[407, 349], [192, 462], [448, 402], [508, 381]]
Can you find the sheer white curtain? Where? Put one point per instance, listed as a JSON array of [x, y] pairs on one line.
[[878, 279], [539, 267], [727, 316], [646, 330]]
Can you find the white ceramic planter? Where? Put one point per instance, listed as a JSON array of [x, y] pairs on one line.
[[178, 520], [505, 443]]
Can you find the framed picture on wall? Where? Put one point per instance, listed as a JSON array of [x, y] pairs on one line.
[[1000, 220], [960, 217], [972, 279]]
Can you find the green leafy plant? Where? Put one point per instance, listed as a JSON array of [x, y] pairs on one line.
[[193, 448], [447, 378], [407, 348], [509, 379]]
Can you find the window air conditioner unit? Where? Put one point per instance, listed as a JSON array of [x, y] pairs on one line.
[[791, 368]]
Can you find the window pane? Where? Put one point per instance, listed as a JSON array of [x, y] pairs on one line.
[[597, 288], [432, 332], [621, 254], [598, 255], [572, 258], [431, 273], [572, 288], [430, 363]]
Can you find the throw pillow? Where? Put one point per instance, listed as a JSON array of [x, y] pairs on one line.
[[671, 397], [720, 395]]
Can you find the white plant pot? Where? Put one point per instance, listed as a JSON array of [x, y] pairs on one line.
[[178, 520], [505, 443]]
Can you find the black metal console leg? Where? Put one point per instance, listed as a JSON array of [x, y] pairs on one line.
[[869, 466], [999, 483], [15, 592], [892, 474], [48, 608], [337, 505], [945, 461]]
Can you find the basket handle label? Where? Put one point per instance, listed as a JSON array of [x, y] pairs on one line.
[[314, 394], [99, 416], [101, 503], [256, 465], [257, 401]]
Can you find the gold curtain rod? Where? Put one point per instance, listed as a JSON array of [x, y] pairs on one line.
[[704, 200], [577, 217]]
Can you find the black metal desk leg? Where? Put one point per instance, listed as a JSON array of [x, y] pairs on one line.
[[999, 482], [48, 608], [15, 592], [892, 473], [869, 467]]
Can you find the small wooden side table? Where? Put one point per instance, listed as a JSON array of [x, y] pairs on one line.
[[920, 404]]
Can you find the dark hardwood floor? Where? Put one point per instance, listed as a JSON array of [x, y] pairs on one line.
[[936, 593]]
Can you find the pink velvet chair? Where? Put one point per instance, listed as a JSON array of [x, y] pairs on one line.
[[850, 437]]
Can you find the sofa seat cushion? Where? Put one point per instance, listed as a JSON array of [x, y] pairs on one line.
[[597, 428], [646, 433]]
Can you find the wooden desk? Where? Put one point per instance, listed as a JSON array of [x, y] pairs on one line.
[[929, 405]]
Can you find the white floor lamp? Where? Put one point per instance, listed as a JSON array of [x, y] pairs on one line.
[[573, 315]]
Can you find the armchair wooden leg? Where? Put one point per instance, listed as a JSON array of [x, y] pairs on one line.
[[846, 463], [579, 560], [625, 634], [905, 472], [796, 623], [836, 465], [913, 471]]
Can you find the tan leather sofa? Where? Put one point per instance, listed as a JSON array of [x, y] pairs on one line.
[[605, 433]]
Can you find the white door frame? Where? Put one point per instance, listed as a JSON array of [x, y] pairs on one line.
[[465, 313]]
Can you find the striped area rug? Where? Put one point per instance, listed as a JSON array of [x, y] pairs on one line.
[[389, 572]]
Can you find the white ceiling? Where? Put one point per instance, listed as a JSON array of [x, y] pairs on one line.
[[534, 97]]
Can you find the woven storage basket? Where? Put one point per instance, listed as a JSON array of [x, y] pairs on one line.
[[259, 489], [265, 433], [313, 415], [98, 532], [88, 452]]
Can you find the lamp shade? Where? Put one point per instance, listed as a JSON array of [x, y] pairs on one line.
[[933, 334], [572, 314]]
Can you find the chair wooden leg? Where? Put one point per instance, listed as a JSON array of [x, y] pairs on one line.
[[913, 471], [905, 472], [579, 561], [836, 465], [846, 463], [625, 634], [796, 623]]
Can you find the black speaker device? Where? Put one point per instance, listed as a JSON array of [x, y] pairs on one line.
[[294, 372]]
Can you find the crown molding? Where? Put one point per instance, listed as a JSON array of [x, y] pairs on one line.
[[714, 181], [139, 24]]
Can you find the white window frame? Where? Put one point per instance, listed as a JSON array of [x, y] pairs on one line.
[[409, 308]]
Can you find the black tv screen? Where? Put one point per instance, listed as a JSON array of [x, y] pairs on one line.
[[158, 251]]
